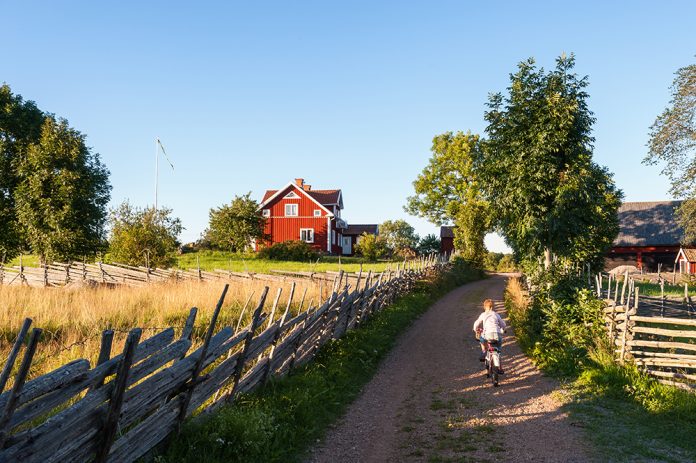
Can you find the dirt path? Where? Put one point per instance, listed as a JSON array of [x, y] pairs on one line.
[[430, 400]]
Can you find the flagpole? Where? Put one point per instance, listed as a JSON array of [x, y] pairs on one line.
[[156, 169]]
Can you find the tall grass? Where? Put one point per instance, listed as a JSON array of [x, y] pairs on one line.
[[73, 319], [563, 333]]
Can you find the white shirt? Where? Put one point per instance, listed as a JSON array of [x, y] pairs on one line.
[[491, 323]]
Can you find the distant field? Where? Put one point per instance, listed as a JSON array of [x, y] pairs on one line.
[[211, 260]]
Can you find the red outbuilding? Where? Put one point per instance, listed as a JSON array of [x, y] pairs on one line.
[[446, 240], [686, 261], [297, 212]]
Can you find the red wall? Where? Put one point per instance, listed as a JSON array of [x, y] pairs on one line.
[[446, 245], [282, 228]]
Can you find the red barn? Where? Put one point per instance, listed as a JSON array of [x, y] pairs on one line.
[[649, 235], [446, 240], [296, 212]]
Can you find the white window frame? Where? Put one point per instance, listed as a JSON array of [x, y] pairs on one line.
[[317, 212], [292, 207], [292, 195], [307, 239], [266, 212]]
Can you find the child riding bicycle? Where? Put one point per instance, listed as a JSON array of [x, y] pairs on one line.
[[489, 326]]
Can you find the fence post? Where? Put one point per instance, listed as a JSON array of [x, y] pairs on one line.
[[276, 336], [104, 354], [13, 353], [18, 385], [612, 322], [201, 359], [239, 367], [111, 420]]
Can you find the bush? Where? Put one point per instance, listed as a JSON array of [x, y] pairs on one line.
[[559, 325], [289, 250], [371, 247]]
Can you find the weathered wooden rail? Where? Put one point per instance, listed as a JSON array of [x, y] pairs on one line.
[[114, 274], [125, 405], [664, 347]]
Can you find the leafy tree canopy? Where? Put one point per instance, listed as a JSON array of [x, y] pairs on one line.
[[538, 174], [142, 235], [673, 143], [62, 195], [398, 236], [448, 191], [234, 226], [53, 189], [429, 244]]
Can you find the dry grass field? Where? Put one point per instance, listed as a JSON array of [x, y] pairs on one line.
[[73, 319]]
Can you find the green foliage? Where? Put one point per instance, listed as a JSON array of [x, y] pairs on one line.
[[499, 262], [673, 142], [429, 244], [62, 195], [448, 191], [289, 250], [281, 421], [371, 247], [560, 324], [538, 174], [53, 189], [139, 235], [398, 236], [234, 226]]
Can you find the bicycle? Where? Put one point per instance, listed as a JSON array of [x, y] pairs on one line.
[[492, 361]]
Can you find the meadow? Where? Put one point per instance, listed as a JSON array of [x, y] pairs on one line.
[[221, 260], [73, 319]]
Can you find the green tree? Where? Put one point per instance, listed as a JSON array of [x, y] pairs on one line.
[[233, 227], [398, 236], [537, 172], [429, 244], [673, 142], [20, 127], [371, 247], [62, 194], [142, 235], [448, 191]]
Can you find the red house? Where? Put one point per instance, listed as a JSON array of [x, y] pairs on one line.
[[686, 261], [296, 212]]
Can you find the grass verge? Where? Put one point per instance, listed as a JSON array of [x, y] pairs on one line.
[[627, 416], [281, 421]]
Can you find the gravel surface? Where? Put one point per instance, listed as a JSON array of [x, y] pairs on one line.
[[431, 401]]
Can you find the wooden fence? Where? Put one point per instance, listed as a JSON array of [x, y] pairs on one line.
[[114, 274], [664, 347], [125, 405]]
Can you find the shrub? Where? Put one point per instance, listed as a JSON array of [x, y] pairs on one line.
[[289, 250], [371, 247]]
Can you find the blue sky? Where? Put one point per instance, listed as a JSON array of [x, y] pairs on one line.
[[247, 96]]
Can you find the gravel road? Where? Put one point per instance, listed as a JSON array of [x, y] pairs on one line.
[[430, 400]]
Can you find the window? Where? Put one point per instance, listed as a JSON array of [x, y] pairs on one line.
[[307, 235], [291, 209], [266, 212], [317, 212], [291, 195], [333, 236]]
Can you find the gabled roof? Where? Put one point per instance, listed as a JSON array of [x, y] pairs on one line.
[[356, 230], [446, 232], [689, 254], [651, 223], [323, 198]]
